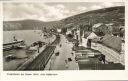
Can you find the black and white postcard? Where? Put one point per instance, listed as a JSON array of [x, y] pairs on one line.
[[64, 40]]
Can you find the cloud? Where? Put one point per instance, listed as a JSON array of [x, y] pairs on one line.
[[21, 11], [60, 6], [108, 4], [49, 12], [119, 4], [56, 12], [111, 4], [34, 11], [105, 5], [81, 9], [95, 7]]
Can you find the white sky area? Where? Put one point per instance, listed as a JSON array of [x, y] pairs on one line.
[[51, 11]]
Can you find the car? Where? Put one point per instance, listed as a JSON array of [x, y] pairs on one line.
[[57, 54]]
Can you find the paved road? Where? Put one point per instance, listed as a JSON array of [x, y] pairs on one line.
[[58, 62]]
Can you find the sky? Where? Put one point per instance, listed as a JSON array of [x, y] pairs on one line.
[[51, 11]]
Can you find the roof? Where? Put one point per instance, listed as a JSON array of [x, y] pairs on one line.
[[86, 34], [87, 51], [99, 66], [112, 42], [88, 64], [110, 24], [92, 36], [97, 25]]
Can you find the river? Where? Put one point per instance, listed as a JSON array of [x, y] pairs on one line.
[[29, 36]]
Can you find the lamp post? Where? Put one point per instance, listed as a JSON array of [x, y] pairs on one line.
[[50, 65]]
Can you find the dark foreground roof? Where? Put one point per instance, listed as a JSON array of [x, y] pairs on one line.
[[99, 66]]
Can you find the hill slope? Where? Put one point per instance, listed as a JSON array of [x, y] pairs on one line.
[[108, 15]]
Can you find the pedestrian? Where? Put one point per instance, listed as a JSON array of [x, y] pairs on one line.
[[60, 45], [72, 53], [69, 59], [102, 58], [14, 38], [66, 63], [89, 43], [76, 59]]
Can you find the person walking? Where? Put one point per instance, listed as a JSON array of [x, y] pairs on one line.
[[102, 58], [66, 63], [89, 43], [60, 45], [72, 54]]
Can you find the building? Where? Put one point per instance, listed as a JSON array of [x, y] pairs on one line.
[[101, 29]]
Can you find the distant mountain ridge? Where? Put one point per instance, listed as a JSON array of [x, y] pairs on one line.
[[27, 25], [114, 15]]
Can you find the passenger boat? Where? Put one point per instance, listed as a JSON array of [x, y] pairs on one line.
[[13, 45]]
